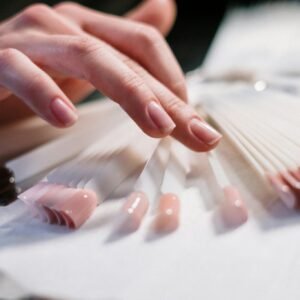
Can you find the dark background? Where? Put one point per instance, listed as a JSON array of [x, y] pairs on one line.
[[191, 36]]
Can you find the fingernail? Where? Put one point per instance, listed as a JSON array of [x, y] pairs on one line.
[[203, 132], [160, 118], [63, 112]]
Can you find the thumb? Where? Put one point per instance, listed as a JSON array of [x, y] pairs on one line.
[[158, 13]]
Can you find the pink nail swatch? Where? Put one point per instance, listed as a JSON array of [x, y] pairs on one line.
[[133, 211], [232, 208], [167, 219], [60, 204]]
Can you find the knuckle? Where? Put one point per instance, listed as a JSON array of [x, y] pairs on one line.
[[174, 105], [179, 88], [131, 84], [34, 14], [83, 46], [8, 56], [148, 35], [35, 10]]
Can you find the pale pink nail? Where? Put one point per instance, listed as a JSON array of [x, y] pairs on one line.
[[63, 112], [76, 206], [233, 210], [283, 190], [160, 118], [204, 132], [167, 219], [133, 211]]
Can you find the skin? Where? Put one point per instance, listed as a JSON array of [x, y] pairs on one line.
[[67, 51]]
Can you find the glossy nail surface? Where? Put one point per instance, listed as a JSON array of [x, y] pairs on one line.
[[160, 117], [77, 205], [232, 208], [167, 219], [283, 190], [204, 132], [64, 113], [133, 211]]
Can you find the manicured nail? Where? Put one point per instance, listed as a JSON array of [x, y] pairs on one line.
[[203, 132], [233, 209], [63, 112], [133, 211], [167, 219], [160, 118]]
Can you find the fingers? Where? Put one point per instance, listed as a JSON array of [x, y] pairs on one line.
[[148, 102], [190, 129], [141, 42], [40, 17], [37, 90], [91, 60], [159, 13]]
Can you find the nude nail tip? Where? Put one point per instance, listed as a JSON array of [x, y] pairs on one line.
[[283, 190], [64, 113], [61, 205], [167, 219], [133, 211], [160, 118], [232, 209], [79, 207]]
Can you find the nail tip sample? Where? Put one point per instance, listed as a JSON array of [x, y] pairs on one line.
[[283, 190], [167, 219], [233, 210], [133, 211], [160, 118]]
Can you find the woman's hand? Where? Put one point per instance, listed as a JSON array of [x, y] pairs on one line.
[[51, 57]]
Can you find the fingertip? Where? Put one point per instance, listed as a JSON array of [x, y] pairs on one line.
[[203, 132], [64, 112], [198, 143], [160, 118]]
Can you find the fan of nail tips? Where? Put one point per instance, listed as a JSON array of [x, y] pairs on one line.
[[80, 178], [87, 174], [263, 127], [69, 194]]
